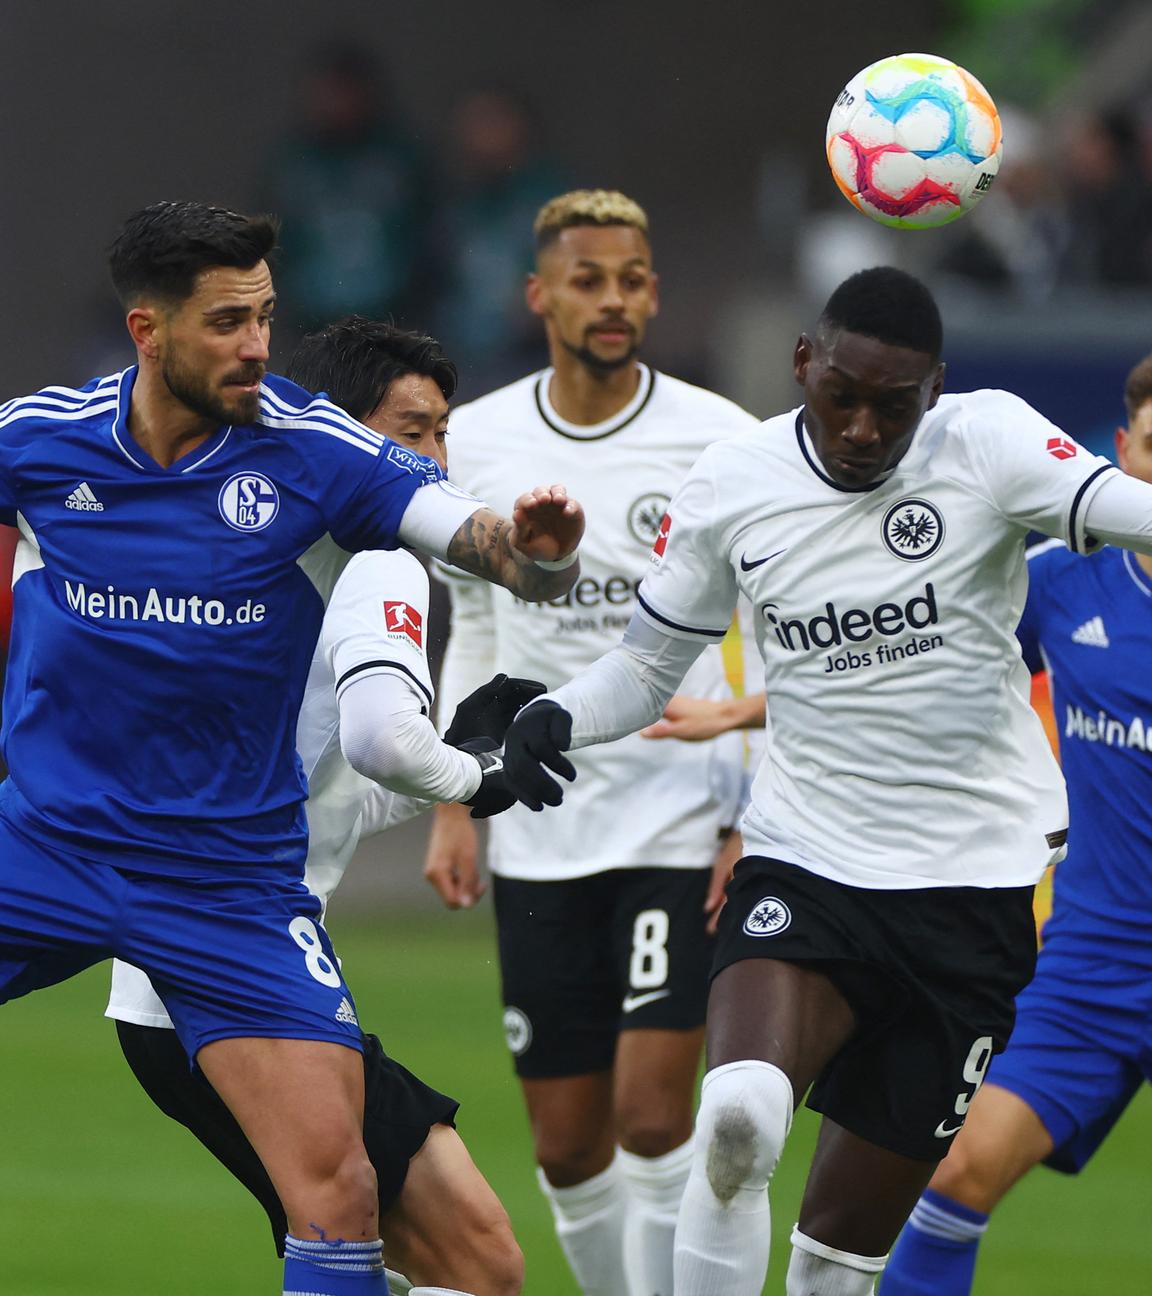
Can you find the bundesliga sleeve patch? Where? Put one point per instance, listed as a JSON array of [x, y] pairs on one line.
[[405, 621], [662, 536]]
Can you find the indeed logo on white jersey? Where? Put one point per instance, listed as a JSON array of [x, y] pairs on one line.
[[856, 625]]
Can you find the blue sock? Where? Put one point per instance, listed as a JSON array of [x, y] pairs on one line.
[[936, 1253], [334, 1268]]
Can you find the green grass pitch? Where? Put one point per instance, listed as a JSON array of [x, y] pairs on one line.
[[101, 1196]]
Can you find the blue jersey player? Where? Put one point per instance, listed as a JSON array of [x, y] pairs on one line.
[[181, 524], [1082, 1045]]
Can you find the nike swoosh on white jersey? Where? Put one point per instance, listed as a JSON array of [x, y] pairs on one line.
[[747, 566], [632, 1002]]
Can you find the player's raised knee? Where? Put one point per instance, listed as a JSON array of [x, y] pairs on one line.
[[745, 1113]]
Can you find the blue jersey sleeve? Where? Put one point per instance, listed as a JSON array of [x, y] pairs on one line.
[[364, 481], [369, 517], [23, 423]]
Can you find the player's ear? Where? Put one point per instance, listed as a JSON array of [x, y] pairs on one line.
[[802, 358], [534, 293], [937, 385], [142, 324], [1122, 448]]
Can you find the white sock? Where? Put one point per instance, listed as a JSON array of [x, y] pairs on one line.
[[655, 1186], [590, 1226], [724, 1230], [819, 1270]]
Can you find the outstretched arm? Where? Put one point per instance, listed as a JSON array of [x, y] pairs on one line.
[[619, 693], [528, 554]]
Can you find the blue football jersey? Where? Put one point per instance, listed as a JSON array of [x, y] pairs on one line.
[[1089, 621], [164, 619]]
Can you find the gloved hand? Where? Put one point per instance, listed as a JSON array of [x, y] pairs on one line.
[[489, 711], [538, 737], [492, 797]]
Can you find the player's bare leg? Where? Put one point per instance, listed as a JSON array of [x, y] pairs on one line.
[[301, 1105], [844, 1234], [654, 1095], [1001, 1141], [572, 1129], [448, 1228], [772, 1027]]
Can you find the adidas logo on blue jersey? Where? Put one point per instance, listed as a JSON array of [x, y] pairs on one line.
[[84, 500], [347, 1014], [1092, 633]]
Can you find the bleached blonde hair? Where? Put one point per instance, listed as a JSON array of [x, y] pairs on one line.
[[587, 207]]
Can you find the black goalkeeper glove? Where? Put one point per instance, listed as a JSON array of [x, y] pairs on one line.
[[489, 711], [538, 737], [492, 797]]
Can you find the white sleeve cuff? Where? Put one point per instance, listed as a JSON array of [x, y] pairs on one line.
[[433, 516]]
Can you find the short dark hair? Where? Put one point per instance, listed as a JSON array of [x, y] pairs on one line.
[[162, 248], [889, 305], [356, 360], [1138, 388]]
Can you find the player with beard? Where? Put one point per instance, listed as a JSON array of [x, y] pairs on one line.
[[879, 929], [183, 524], [372, 760], [602, 917]]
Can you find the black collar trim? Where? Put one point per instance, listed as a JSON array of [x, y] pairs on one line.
[[599, 436], [814, 464]]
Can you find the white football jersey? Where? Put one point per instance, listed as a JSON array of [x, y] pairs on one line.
[[376, 622], [901, 749], [635, 802]]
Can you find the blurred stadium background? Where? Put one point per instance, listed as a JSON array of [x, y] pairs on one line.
[[406, 148]]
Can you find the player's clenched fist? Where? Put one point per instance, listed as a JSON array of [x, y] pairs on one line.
[[538, 737]]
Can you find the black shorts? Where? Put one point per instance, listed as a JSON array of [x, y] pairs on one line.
[[399, 1112], [585, 958], [931, 974]]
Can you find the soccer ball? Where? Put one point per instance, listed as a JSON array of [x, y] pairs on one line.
[[914, 141]]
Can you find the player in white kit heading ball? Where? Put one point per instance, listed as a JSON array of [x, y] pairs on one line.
[[878, 930]]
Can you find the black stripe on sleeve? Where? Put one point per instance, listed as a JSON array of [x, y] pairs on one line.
[[675, 625], [392, 665], [1072, 542]]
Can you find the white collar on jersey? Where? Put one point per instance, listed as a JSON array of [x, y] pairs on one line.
[[594, 431]]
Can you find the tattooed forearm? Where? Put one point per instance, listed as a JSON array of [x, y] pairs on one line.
[[483, 546]]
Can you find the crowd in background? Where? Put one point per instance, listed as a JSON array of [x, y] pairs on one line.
[[373, 222]]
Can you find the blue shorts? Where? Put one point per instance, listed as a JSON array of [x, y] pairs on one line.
[[230, 956], [1082, 1045]]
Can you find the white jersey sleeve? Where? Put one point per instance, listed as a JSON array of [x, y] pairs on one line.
[[690, 592], [1035, 474], [377, 623], [433, 516]]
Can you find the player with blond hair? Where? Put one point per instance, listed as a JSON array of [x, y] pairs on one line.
[[602, 916]]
